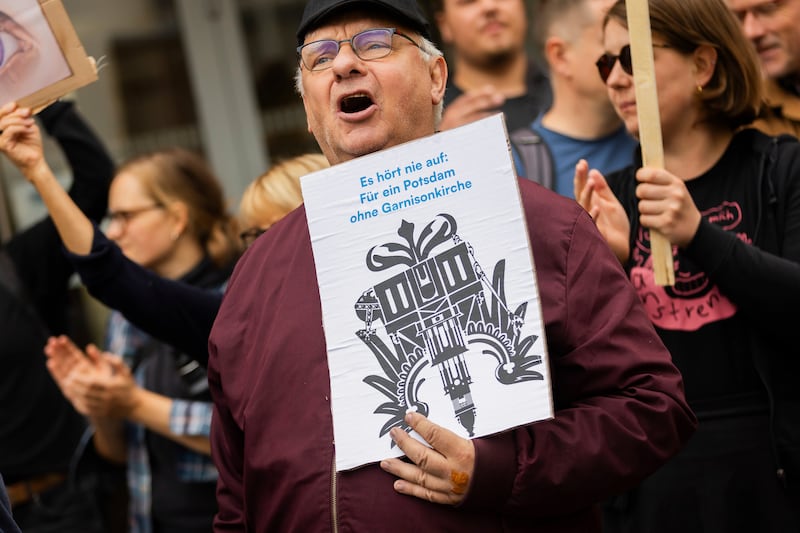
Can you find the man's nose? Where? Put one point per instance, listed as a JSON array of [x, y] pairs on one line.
[[346, 61], [752, 26]]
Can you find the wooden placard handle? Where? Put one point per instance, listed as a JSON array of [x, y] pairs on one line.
[[644, 80]]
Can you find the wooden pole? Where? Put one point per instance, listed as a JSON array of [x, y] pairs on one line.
[[644, 80]]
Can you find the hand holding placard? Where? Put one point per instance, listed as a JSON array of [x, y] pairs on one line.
[[649, 122]]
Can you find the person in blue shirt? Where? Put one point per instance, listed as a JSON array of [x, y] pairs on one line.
[[581, 122]]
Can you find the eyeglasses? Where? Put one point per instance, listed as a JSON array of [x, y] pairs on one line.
[[374, 43], [249, 236], [123, 216], [606, 62]]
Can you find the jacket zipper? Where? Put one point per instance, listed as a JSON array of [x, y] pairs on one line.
[[334, 510], [768, 162]]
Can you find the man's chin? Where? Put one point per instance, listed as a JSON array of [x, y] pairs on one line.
[[774, 65], [496, 59], [364, 143], [341, 154]]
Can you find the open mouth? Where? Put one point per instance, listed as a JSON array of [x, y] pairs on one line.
[[355, 103]]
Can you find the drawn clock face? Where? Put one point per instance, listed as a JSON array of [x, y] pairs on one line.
[[18, 51]]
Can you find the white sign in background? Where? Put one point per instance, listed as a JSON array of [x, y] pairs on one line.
[[421, 227]]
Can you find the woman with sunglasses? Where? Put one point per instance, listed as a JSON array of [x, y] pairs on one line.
[[728, 200]]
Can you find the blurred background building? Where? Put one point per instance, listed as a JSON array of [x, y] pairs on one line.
[[214, 76]]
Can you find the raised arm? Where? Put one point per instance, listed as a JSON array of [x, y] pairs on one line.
[[88, 158], [21, 142], [185, 314], [176, 313], [36, 251]]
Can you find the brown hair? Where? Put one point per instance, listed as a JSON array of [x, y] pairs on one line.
[[176, 174], [275, 193], [733, 95]]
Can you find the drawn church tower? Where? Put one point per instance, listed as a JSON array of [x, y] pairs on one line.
[[423, 302]]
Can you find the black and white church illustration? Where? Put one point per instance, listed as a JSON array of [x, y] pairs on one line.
[[438, 308]]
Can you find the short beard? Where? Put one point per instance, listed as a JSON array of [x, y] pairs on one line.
[[495, 62]]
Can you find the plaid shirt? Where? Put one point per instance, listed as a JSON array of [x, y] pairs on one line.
[[186, 418]]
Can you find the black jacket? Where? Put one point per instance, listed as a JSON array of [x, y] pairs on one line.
[[762, 278], [39, 429]]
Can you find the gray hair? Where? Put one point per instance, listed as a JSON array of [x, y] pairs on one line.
[[427, 50]]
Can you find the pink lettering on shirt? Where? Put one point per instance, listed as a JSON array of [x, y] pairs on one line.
[[694, 300]]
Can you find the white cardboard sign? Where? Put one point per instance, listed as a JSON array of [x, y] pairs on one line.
[[428, 290]]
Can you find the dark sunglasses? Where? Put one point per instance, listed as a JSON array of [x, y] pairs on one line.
[[606, 62]]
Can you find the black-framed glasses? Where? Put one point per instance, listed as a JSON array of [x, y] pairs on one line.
[[605, 64], [123, 216], [368, 45], [249, 235]]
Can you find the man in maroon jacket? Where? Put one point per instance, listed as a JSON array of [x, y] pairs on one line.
[[619, 406]]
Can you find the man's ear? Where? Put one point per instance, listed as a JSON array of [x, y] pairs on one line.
[[555, 50], [305, 107], [705, 61], [438, 70]]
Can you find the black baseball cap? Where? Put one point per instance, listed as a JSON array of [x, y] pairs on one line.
[[406, 11]]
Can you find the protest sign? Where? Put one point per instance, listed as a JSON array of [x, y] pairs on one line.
[[428, 290]]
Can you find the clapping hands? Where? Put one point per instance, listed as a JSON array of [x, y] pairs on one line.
[[98, 384]]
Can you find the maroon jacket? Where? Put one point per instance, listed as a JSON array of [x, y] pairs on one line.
[[620, 409]]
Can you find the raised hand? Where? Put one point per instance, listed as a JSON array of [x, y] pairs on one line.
[[471, 106], [666, 205], [20, 138], [593, 194], [440, 473]]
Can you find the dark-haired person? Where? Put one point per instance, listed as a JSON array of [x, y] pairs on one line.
[[491, 68]]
